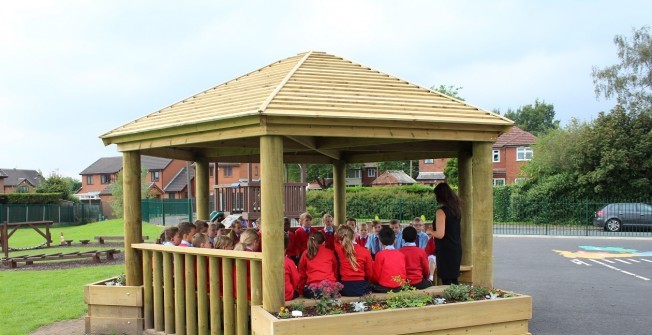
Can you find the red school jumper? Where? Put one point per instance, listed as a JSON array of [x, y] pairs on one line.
[[365, 264], [389, 264], [330, 238], [290, 252], [416, 264], [361, 240], [430, 247], [291, 278], [322, 267], [301, 240]]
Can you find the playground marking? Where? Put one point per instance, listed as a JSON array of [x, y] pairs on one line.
[[633, 260], [619, 270], [646, 260], [622, 261], [579, 262]]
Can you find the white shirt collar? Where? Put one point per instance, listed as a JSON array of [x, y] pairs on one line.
[[390, 247], [410, 244]]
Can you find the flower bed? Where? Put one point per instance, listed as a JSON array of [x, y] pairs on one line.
[[113, 308], [406, 312]]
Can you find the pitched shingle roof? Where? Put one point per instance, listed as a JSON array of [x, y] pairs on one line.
[[431, 176], [393, 177], [114, 164], [2, 174], [16, 176], [515, 137], [180, 181]]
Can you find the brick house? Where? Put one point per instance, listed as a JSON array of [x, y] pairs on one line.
[[511, 151], [3, 176], [393, 178], [363, 176], [19, 180]]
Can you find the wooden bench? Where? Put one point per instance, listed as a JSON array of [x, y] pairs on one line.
[[466, 274], [95, 255], [102, 239], [68, 242], [84, 241]]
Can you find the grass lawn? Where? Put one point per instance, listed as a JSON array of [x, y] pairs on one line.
[[31, 298]]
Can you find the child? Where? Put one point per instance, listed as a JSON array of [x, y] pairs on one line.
[[422, 238], [260, 235], [351, 223], [289, 251], [431, 251], [202, 226], [328, 231], [200, 240], [221, 230], [416, 261], [373, 243], [302, 233], [317, 263], [186, 231], [224, 242], [170, 236], [362, 235], [212, 232], [389, 264], [248, 242], [291, 274], [236, 230], [396, 227], [356, 265]]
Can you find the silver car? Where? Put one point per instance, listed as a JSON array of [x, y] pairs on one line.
[[613, 217]]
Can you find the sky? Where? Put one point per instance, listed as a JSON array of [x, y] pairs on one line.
[[71, 70]]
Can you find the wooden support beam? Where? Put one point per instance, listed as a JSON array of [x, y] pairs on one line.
[[201, 188], [395, 156], [174, 153], [133, 223], [271, 185], [339, 192], [311, 143], [466, 195], [482, 215]]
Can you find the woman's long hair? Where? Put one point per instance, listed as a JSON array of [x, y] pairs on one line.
[[345, 234], [248, 238], [446, 197], [314, 241]]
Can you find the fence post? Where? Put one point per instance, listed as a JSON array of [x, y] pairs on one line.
[[586, 216], [82, 213], [546, 205], [163, 211]]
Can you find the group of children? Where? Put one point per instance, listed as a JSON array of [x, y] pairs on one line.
[[379, 260]]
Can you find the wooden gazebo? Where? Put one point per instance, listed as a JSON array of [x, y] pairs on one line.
[[310, 108]]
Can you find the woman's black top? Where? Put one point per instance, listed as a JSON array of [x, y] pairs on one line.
[[449, 248]]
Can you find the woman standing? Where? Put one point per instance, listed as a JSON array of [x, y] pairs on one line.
[[447, 234]]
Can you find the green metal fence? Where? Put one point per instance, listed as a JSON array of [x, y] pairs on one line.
[[60, 214], [169, 212]]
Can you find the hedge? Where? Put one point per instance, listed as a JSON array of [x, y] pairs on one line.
[[33, 198]]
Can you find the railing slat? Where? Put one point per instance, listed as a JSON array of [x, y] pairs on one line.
[[158, 292], [256, 283], [179, 296], [227, 280], [202, 296], [242, 304], [168, 292], [191, 297], [148, 290], [214, 264]]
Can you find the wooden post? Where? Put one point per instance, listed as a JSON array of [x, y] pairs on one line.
[[271, 187], [215, 300], [201, 188], [202, 296], [158, 292], [339, 192], [465, 193], [179, 296], [242, 305], [168, 295], [148, 290], [132, 216], [229, 303], [191, 296], [482, 249]]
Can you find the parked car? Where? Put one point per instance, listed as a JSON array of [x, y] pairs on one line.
[[614, 216]]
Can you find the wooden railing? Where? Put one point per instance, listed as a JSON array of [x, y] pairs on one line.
[[246, 199], [191, 290]]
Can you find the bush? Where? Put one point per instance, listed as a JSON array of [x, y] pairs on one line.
[[33, 198]]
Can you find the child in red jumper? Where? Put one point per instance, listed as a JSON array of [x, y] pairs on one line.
[[248, 242], [302, 233], [363, 234], [416, 261], [317, 263], [328, 231], [389, 265], [291, 275], [356, 265]]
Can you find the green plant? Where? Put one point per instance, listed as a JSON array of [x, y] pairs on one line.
[[478, 292], [284, 313], [327, 294], [408, 296], [298, 306], [457, 292]]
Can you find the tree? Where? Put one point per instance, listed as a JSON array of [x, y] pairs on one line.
[[537, 119], [450, 90], [58, 184], [117, 192], [631, 80], [451, 172], [321, 173]]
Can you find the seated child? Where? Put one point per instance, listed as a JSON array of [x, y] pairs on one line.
[[363, 235], [236, 230], [328, 231], [221, 229], [431, 251], [396, 227], [200, 240], [302, 234], [224, 242], [186, 231], [170, 236], [212, 232], [350, 221], [248, 242], [422, 238], [317, 264], [416, 261], [373, 243], [291, 274], [202, 226], [389, 266], [356, 265]]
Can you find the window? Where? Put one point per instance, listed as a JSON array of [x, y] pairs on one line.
[[371, 172], [155, 175], [105, 179], [428, 161], [355, 173], [171, 196], [499, 181], [22, 189], [89, 180], [255, 170], [519, 180], [210, 170], [495, 156], [228, 171], [523, 153]]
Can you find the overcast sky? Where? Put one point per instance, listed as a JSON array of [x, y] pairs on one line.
[[72, 70]]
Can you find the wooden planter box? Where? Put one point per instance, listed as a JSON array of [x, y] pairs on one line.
[[504, 316], [113, 309]]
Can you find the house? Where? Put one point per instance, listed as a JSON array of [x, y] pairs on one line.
[[97, 178], [20, 181], [393, 178], [362, 176], [3, 176], [511, 151], [230, 173]]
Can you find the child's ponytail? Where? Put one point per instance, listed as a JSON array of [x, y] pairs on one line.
[[345, 234], [315, 239]]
